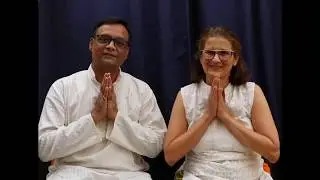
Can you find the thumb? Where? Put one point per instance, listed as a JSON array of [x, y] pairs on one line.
[[220, 93]]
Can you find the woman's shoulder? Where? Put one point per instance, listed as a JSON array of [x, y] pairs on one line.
[[189, 88], [248, 86]]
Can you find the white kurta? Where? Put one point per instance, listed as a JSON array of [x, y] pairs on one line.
[[219, 155], [114, 149]]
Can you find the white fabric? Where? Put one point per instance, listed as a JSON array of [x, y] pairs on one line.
[[66, 172], [68, 134], [219, 155]]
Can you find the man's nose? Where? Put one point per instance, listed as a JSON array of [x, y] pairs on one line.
[[111, 45]]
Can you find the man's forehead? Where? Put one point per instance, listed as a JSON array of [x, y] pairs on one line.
[[113, 29]]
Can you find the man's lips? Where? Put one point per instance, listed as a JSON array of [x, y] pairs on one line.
[[108, 54]]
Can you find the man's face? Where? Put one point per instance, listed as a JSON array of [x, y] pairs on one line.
[[109, 46]]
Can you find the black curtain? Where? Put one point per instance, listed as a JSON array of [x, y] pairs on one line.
[[164, 33]]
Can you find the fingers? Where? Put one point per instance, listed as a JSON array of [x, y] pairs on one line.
[[213, 87], [109, 85], [220, 92], [215, 91], [113, 95], [104, 89], [220, 86], [215, 82], [103, 84]]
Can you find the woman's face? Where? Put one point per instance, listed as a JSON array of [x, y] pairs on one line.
[[217, 57]]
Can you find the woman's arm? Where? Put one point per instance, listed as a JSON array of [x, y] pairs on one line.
[[179, 140], [264, 138]]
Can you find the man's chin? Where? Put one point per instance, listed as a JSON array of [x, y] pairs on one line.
[[109, 61]]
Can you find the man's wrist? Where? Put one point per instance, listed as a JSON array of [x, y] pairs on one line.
[[95, 117], [114, 115]]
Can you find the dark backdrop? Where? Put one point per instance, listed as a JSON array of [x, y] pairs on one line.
[[164, 35]]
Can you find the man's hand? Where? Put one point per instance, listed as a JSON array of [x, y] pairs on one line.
[[100, 109], [112, 108]]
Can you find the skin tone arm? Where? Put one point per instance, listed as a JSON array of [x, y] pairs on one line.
[[179, 140], [264, 138]]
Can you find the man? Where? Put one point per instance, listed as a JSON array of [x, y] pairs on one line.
[[98, 123]]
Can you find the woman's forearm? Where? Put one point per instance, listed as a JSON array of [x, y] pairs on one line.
[[257, 142], [180, 146]]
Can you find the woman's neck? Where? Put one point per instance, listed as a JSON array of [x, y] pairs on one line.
[[224, 81]]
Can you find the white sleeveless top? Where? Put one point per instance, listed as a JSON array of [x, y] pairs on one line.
[[219, 155]]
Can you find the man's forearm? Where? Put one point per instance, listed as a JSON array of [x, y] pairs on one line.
[[67, 140]]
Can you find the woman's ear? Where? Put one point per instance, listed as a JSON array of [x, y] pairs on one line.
[[197, 56], [236, 60]]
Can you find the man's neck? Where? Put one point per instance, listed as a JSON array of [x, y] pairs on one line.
[[99, 72]]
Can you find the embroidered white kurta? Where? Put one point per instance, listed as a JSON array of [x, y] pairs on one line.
[[68, 134], [219, 155]]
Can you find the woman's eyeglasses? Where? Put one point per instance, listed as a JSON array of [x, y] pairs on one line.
[[223, 55]]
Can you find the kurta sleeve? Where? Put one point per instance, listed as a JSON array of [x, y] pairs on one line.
[[55, 138], [142, 134]]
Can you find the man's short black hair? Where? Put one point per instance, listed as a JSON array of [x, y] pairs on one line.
[[111, 20]]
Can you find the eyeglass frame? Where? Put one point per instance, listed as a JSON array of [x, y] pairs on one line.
[[231, 53], [115, 40]]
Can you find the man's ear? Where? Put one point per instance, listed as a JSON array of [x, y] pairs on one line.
[[90, 44], [127, 53]]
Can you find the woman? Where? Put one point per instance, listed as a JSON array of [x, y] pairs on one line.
[[221, 122]]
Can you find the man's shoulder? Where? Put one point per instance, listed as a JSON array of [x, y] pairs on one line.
[[137, 81], [71, 78]]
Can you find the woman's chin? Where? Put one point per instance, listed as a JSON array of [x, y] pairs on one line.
[[214, 74]]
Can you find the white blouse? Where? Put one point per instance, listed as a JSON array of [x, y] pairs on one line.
[[219, 155]]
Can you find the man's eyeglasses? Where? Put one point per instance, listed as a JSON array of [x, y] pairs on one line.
[[105, 39], [223, 55]]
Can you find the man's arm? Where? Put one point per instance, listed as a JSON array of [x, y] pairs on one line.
[[144, 135], [55, 139]]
